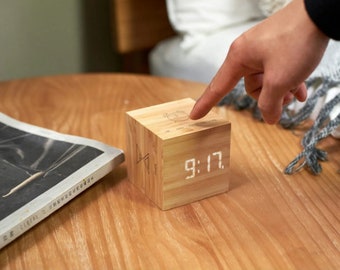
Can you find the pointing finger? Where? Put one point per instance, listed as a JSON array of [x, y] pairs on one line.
[[224, 81]]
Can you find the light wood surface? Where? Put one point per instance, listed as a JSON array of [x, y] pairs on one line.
[[267, 220], [167, 153]]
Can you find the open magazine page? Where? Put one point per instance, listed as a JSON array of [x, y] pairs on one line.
[[38, 166]]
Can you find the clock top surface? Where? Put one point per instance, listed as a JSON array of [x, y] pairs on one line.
[[171, 119]]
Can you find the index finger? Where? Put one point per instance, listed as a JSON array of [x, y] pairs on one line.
[[224, 81]]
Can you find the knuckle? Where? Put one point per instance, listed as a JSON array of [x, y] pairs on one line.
[[238, 47]]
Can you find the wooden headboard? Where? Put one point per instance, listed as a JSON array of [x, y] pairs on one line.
[[139, 24]]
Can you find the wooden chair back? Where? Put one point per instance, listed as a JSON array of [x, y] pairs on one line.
[[139, 24]]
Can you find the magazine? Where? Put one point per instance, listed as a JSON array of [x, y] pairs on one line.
[[41, 170]]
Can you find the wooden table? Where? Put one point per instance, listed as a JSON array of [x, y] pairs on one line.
[[267, 220]]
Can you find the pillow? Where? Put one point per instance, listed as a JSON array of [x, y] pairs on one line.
[[194, 19], [201, 62]]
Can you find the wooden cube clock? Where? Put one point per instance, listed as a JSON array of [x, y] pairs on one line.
[[175, 160]]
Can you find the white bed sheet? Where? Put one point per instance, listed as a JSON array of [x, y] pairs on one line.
[[199, 62]]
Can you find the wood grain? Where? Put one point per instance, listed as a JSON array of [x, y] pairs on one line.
[[267, 220], [139, 25], [167, 153]]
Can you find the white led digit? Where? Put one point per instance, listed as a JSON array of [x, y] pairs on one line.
[[208, 163], [190, 165], [219, 154]]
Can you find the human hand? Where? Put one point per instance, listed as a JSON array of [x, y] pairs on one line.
[[274, 57]]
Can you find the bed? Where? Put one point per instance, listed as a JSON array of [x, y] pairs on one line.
[[180, 39]]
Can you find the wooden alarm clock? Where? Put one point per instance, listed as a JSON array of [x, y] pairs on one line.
[[174, 160]]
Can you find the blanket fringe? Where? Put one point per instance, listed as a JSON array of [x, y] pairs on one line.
[[323, 126]]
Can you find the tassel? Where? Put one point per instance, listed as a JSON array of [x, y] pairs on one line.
[[319, 131]]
